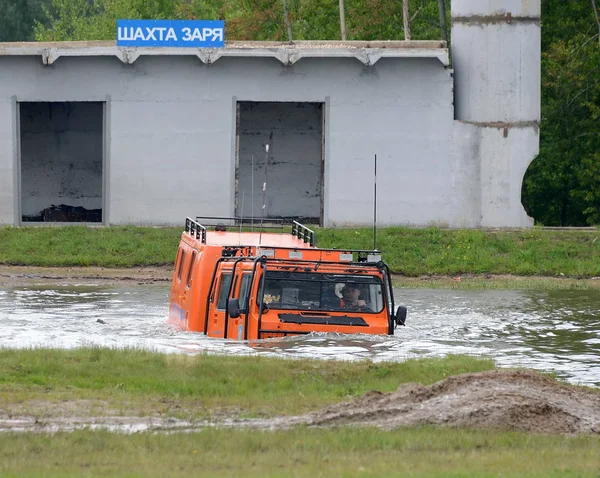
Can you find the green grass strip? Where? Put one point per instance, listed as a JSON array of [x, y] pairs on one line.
[[410, 252], [254, 385], [310, 453]]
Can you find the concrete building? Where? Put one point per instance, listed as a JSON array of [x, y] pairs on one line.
[[151, 135]]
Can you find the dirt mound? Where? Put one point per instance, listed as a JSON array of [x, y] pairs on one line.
[[501, 400]]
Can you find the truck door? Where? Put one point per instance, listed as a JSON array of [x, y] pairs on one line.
[[236, 326], [218, 304], [219, 320]]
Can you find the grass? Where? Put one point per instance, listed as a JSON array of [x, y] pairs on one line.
[[125, 246], [131, 381], [491, 282], [300, 452], [435, 251], [409, 252], [100, 381], [179, 384]]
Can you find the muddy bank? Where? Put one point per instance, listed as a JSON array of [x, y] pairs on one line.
[[26, 275], [498, 400], [17, 275], [502, 400]]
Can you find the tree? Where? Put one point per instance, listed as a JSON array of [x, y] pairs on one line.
[[561, 186], [17, 18], [245, 19]]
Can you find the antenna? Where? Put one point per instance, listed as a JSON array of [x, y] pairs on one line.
[[375, 206], [264, 205], [252, 198], [242, 215]]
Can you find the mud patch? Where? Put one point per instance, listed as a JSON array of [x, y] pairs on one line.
[[502, 400], [498, 400], [28, 275]]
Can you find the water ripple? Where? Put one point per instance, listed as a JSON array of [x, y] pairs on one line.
[[556, 331]]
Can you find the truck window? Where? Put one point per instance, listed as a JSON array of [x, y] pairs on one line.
[[244, 291], [181, 261], [223, 290], [189, 274], [322, 292]]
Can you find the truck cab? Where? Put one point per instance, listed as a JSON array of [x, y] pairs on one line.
[[248, 285]]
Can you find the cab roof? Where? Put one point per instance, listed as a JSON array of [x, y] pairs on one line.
[[300, 237], [255, 239]]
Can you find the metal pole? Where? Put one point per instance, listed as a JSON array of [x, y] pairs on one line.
[[343, 20], [375, 206], [252, 198], [264, 206]]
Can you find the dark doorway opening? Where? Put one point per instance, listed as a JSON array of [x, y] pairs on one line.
[[292, 168], [61, 161]]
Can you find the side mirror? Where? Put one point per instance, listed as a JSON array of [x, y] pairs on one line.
[[400, 316], [233, 308]]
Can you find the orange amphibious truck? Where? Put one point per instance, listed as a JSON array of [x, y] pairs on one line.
[[256, 285]]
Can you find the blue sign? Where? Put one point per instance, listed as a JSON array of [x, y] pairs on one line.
[[178, 33]]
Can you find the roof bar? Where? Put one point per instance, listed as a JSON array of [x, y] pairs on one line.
[[195, 229], [303, 232]]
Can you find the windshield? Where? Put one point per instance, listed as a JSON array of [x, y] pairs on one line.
[[323, 292]]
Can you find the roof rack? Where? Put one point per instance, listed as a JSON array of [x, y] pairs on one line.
[[195, 229], [303, 232], [266, 223], [198, 231]]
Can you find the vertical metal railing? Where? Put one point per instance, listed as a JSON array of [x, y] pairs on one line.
[[195, 229], [303, 232]]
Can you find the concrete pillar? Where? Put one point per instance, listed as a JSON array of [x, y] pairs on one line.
[[8, 154], [496, 56]]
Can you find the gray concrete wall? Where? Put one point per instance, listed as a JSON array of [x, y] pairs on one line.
[[8, 151], [496, 48], [171, 131], [171, 124]]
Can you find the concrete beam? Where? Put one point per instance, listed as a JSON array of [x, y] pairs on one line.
[[366, 52], [496, 8]]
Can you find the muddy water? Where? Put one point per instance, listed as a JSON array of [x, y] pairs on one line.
[[552, 331]]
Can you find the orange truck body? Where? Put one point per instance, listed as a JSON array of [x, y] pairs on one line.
[[257, 285]]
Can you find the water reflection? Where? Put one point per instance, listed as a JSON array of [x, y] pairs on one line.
[[554, 331]]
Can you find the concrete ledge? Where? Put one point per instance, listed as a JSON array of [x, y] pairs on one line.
[[366, 52]]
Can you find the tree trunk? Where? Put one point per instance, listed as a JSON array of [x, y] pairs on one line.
[[597, 19], [442, 10], [343, 20], [406, 17], [287, 22]]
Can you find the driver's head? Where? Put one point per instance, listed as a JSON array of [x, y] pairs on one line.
[[350, 292]]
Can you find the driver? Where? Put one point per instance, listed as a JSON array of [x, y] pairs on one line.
[[351, 298]]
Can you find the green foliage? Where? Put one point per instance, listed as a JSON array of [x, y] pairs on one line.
[[80, 20], [17, 18], [258, 20], [562, 186]]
